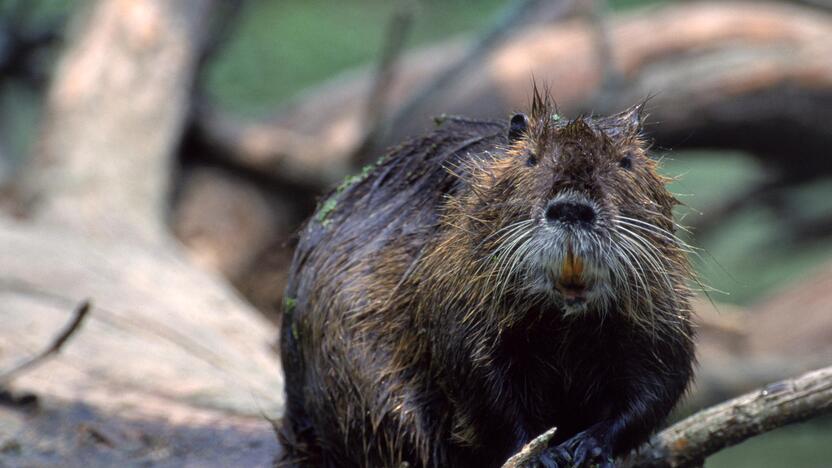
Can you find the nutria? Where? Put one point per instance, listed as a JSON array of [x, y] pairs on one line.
[[482, 284]]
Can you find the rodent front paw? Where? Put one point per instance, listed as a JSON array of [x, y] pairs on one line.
[[581, 451]]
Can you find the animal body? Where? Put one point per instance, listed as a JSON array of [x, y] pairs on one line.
[[482, 284]]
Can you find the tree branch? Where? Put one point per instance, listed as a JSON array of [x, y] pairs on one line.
[[57, 343], [530, 450], [759, 82], [508, 23], [377, 128], [825, 5], [611, 79], [688, 442], [286, 156]]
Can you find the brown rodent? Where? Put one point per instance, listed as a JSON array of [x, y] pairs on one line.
[[482, 284]]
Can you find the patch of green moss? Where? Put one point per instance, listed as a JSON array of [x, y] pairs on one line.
[[354, 179], [289, 304], [328, 206]]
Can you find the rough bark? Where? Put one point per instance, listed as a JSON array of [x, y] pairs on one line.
[[688, 442], [526, 455]]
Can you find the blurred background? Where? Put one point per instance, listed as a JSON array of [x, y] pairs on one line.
[[288, 97]]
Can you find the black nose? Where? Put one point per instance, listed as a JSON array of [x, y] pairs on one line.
[[570, 212]]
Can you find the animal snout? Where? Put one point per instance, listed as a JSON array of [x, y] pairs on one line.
[[570, 212]]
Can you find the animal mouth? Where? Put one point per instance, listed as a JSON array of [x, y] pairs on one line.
[[571, 283]]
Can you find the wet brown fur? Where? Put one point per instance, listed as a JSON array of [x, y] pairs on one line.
[[412, 337]]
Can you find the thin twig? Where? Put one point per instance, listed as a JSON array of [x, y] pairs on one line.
[[515, 15], [530, 450], [820, 4], [224, 26], [611, 79], [398, 29], [286, 157], [57, 343]]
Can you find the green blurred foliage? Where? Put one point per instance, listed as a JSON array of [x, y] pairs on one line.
[[19, 104], [281, 48], [39, 7], [627, 4], [750, 255]]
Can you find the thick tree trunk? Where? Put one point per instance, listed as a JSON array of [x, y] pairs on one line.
[[114, 116]]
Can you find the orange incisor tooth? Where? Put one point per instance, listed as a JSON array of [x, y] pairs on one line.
[[573, 267]]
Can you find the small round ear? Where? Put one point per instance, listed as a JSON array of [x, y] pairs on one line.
[[631, 119], [625, 124], [517, 127]]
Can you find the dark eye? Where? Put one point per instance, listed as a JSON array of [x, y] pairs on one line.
[[626, 162], [518, 126], [532, 159]]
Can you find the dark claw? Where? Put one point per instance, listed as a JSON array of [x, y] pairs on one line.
[[553, 457], [580, 455], [563, 454]]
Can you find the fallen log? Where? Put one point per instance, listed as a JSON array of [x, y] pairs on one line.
[[170, 365], [731, 75]]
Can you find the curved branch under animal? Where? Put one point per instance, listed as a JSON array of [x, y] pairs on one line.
[[687, 443]]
